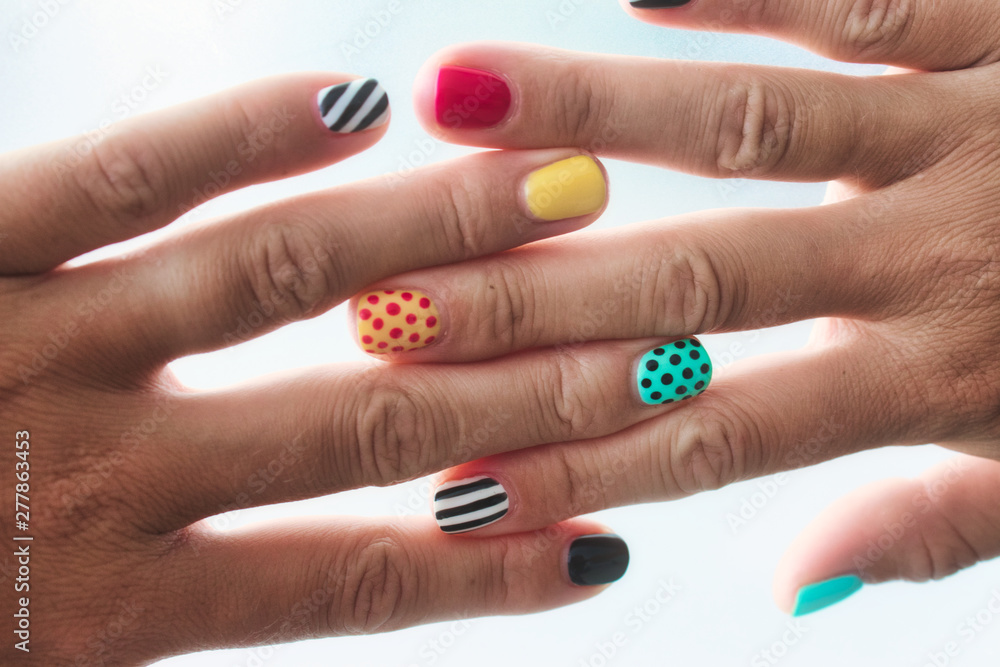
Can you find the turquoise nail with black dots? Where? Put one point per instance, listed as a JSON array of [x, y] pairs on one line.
[[673, 372]]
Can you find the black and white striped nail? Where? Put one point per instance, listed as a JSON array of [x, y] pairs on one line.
[[353, 106], [468, 504]]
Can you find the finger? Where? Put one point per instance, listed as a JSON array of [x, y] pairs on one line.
[[230, 281], [77, 194], [919, 34], [712, 119], [762, 416], [319, 578], [722, 270], [344, 427], [946, 520]]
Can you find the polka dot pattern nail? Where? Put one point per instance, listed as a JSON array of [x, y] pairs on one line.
[[397, 321], [673, 372]]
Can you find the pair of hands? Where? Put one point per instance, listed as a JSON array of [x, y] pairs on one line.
[[124, 462]]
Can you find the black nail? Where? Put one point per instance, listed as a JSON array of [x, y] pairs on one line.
[[657, 4], [597, 559]]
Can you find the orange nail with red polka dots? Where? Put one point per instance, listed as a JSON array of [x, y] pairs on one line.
[[397, 321]]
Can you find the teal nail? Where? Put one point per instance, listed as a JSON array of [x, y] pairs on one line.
[[673, 372], [820, 596]]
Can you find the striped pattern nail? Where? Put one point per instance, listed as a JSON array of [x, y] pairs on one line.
[[353, 106], [468, 504]]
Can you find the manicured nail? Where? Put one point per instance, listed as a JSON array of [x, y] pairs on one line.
[[820, 596], [597, 559], [396, 321], [470, 98], [673, 372], [353, 106], [468, 504], [657, 4], [565, 189]]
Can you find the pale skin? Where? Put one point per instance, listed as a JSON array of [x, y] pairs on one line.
[[900, 263]]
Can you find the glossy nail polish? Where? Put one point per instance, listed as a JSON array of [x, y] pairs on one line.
[[470, 99], [597, 559], [353, 106], [468, 504], [824, 594], [673, 372], [657, 4], [397, 321], [565, 189]]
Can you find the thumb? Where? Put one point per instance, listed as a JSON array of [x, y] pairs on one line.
[[914, 529]]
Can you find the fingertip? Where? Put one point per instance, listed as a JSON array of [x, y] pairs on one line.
[[460, 89]]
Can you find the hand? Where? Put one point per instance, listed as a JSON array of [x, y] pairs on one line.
[[117, 463], [901, 262]]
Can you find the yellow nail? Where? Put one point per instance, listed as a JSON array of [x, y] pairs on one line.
[[565, 189]]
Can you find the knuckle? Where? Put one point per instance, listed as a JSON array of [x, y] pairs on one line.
[[290, 270], [559, 398], [581, 105], [875, 28], [941, 549], [751, 13], [126, 179], [708, 454], [755, 127], [375, 593], [460, 209], [395, 434], [510, 301], [686, 289]]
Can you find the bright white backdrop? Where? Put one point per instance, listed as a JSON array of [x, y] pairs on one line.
[[66, 66]]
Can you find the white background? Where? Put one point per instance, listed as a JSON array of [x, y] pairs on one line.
[[86, 64]]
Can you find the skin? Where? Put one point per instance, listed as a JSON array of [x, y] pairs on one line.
[[122, 462], [899, 265]]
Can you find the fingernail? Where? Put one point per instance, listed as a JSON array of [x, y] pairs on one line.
[[824, 594], [353, 106], [597, 559], [657, 4], [673, 372], [397, 321], [470, 98], [565, 189], [468, 504]]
